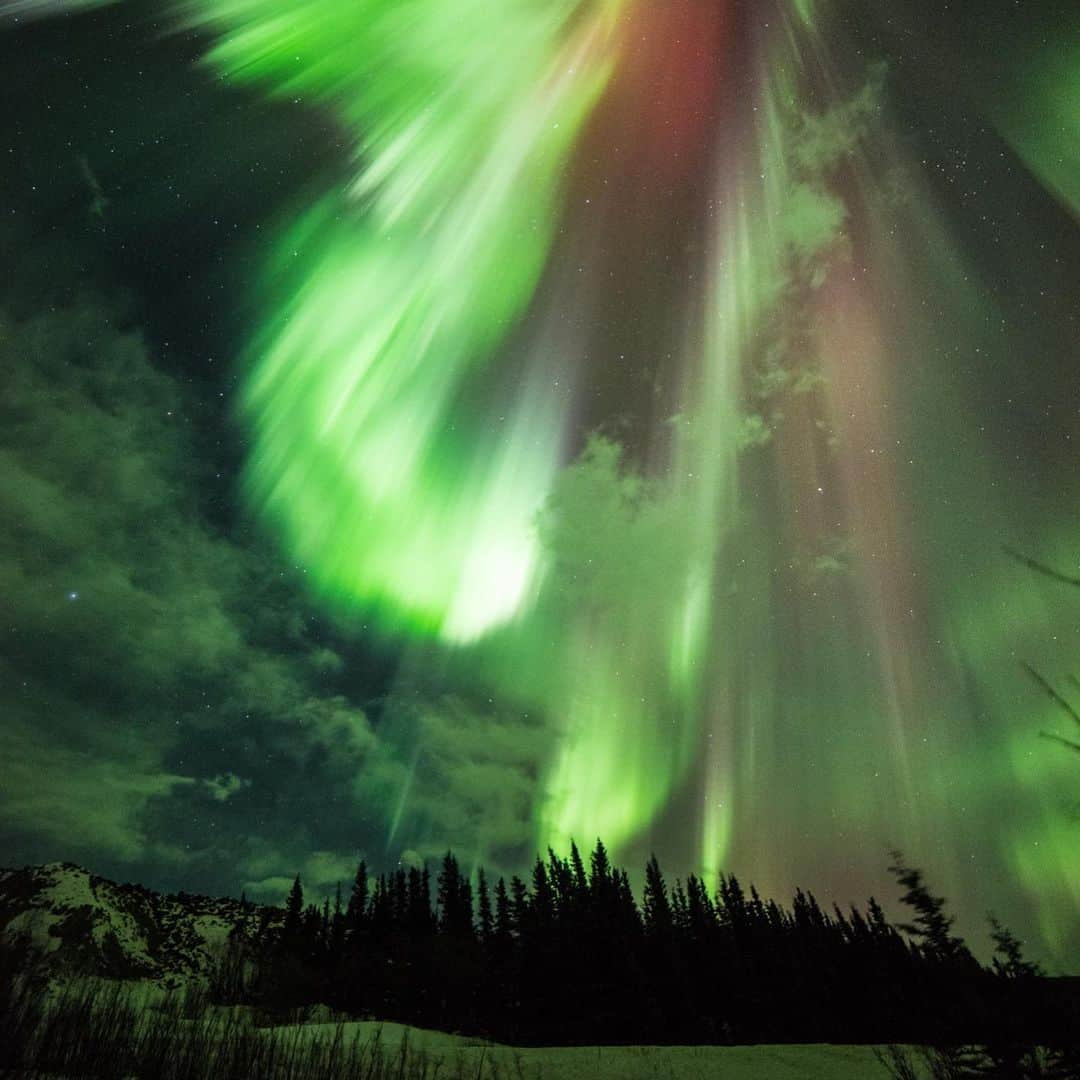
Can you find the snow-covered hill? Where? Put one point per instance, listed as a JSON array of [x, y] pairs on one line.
[[82, 923], [457, 1056]]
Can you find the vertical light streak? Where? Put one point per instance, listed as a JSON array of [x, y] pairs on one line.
[[392, 475]]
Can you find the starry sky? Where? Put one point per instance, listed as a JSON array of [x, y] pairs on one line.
[[487, 425]]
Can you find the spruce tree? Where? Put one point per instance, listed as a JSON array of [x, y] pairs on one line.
[[562, 886], [381, 915], [580, 878], [655, 906], [337, 926], [700, 914], [931, 926], [1009, 962], [504, 922], [543, 900], [519, 906], [357, 911], [680, 908], [400, 898], [487, 923], [599, 870], [419, 902], [454, 899], [294, 912]]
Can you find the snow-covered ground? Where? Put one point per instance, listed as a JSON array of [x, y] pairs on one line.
[[465, 1056], [436, 1054]]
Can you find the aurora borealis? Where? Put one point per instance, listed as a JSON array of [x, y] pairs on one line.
[[600, 417]]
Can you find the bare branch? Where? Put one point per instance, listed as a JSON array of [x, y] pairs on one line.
[[1038, 567], [1053, 694], [1061, 739]]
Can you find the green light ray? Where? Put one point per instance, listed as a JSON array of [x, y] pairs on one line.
[[386, 473], [1036, 106]]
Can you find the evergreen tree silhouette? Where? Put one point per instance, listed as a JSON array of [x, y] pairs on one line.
[[574, 959], [931, 926], [485, 919], [580, 878], [1008, 961], [504, 922], [399, 898], [701, 916], [519, 905], [419, 920], [562, 886], [680, 908], [356, 912], [294, 911], [599, 870], [655, 906], [542, 904], [381, 911], [454, 899], [336, 943]]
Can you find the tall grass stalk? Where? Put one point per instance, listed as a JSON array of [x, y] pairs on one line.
[[95, 1029]]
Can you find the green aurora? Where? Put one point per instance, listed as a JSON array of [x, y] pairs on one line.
[[734, 587]]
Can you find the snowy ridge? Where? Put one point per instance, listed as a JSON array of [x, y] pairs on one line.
[[78, 922]]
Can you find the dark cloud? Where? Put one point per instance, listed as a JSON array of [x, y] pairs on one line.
[[167, 707], [151, 663], [452, 773]]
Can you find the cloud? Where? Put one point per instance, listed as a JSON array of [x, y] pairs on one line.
[[159, 677], [103, 554], [80, 796], [320, 874], [813, 212], [823, 140], [165, 701], [617, 541], [449, 772], [813, 162], [224, 787]]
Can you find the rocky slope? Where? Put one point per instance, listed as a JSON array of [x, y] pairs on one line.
[[77, 922]]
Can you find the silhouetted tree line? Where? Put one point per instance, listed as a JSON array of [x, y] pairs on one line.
[[570, 956]]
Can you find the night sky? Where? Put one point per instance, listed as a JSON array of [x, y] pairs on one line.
[[475, 424]]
